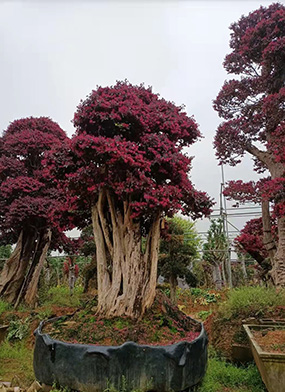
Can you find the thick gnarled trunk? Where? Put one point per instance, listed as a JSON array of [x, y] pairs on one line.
[[20, 275], [127, 275], [14, 270], [32, 286]]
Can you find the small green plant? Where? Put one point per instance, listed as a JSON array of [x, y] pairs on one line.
[[251, 302], [204, 314], [278, 347], [197, 292], [211, 297], [204, 297], [44, 313], [18, 329], [58, 388]]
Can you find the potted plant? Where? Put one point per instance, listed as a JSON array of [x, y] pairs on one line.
[[125, 169]]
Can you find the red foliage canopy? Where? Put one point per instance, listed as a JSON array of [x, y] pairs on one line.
[[27, 199], [250, 240], [129, 140], [264, 189]]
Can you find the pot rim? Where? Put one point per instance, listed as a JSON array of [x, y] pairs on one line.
[[45, 336]]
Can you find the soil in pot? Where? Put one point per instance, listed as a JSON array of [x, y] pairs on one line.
[[162, 324], [271, 340]]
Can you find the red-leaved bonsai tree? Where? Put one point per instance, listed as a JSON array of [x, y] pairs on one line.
[[31, 206], [126, 164], [250, 241], [253, 108]]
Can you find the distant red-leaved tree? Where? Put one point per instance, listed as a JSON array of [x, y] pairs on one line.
[[33, 211], [126, 165], [252, 106], [250, 241]]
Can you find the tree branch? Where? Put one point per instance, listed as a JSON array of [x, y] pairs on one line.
[[263, 156], [104, 223]]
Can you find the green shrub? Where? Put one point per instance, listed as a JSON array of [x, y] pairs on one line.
[[60, 296], [250, 302], [18, 329]]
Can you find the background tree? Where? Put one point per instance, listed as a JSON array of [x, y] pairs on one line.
[[178, 250], [5, 253], [127, 152], [31, 207], [71, 271], [215, 252], [253, 108], [88, 249]]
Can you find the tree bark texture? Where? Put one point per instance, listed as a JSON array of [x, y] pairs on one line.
[[229, 269], [13, 273], [277, 257], [35, 255], [173, 285], [32, 287], [217, 276], [243, 267], [224, 271], [278, 267], [268, 240], [126, 274]]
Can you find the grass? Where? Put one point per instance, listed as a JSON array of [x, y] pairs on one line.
[[18, 361], [4, 306], [251, 302], [222, 376], [60, 296]]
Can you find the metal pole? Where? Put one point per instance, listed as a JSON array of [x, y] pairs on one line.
[[226, 230]]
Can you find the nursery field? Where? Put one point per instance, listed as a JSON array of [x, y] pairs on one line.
[[93, 218]]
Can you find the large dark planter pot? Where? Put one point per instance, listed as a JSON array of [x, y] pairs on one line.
[[83, 367]]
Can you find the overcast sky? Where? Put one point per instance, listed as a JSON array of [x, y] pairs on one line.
[[53, 53]]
